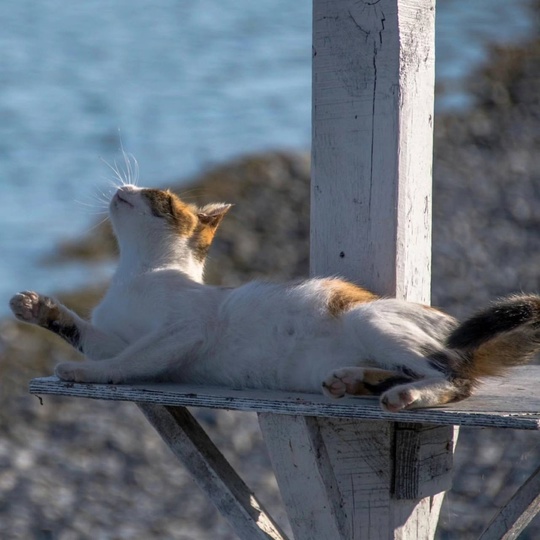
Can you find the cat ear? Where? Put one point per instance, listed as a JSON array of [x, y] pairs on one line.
[[212, 214]]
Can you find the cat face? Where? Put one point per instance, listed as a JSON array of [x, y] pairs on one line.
[[162, 217]]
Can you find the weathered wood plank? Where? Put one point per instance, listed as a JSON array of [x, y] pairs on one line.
[[518, 512], [189, 443], [512, 402]]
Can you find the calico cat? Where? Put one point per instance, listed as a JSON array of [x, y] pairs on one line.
[[159, 322]]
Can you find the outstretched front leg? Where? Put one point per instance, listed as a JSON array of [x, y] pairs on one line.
[[361, 381], [157, 355], [44, 311]]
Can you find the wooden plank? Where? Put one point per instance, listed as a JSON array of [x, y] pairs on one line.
[[510, 402], [297, 450], [189, 443], [518, 512]]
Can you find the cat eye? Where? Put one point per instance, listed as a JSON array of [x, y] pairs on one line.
[[160, 203]]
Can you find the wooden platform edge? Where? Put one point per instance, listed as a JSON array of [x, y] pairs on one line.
[[282, 403]]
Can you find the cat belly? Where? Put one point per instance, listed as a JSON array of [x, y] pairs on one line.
[[293, 349], [260, 365], [289, 353]]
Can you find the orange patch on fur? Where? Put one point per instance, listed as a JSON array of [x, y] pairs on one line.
[[463, 388], [209, 217], [344, 295], [197, 224], [371, 379], [496, 356], [201, 241], [165, 204], [433, 308]]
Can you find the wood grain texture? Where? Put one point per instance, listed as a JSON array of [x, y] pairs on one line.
[[423, 460], [373, 84], [517, 513], [510, 402], [305, 476], [189, 443], [362, 454]]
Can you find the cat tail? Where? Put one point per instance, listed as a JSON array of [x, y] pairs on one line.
[[504, 335]]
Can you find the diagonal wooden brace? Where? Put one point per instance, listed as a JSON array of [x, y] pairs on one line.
[[517, 513], [212, 472]]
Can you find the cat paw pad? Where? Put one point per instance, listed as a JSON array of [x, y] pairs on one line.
[[87, 372], [31, 307], [340, 382], [70, 372], [395, 400]]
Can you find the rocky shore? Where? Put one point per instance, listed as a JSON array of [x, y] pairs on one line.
[[76, 469]]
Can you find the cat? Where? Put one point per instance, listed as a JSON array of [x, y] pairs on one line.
[[159, 322]]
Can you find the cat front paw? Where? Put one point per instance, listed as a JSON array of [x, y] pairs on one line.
[[71, 372], [87, 372], [31, 307]]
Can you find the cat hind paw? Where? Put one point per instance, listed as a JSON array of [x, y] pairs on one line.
[[341, 382], [396, 399]]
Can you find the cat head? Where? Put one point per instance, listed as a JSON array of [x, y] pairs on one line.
[[156, 225]]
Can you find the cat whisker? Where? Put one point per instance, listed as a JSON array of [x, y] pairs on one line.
[[98, 203], [131, 167], [98, 224], [112, 186], [132, 171], [126, 175], [118, 179], [95, 212], [192, 193]]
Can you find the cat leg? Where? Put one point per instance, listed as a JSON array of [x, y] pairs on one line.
[[359, 381], [150, 358], [34, 308], [425, 393]]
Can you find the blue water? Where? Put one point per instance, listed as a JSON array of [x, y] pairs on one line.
[[181, 85]]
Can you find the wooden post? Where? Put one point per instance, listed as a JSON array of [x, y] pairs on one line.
[[373, 85]]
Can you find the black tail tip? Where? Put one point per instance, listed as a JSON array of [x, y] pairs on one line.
[[503, 316]]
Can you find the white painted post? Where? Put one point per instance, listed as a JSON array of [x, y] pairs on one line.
[[373, 85]]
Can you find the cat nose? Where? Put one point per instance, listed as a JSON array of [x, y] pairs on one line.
[[127, 188]]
